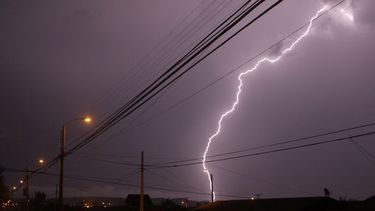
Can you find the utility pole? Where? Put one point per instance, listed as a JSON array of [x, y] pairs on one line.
[[56, 197], [62, 157], [141, 201], [212, 188], [61, 178]]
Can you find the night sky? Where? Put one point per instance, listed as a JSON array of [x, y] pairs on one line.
[[60, 60]]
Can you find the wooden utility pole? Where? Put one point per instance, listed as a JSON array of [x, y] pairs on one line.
[[212, 188], [141, 201], [61, 176]]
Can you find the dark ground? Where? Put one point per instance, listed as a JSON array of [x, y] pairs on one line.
[[279, 204]]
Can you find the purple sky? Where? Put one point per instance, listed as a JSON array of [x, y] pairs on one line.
[[60, 60]]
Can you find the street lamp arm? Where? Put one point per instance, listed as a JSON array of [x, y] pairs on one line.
[[85, 118]]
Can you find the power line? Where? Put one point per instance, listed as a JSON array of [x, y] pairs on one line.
[[108, 155], [188, 161], [270, 151], [174, 46], [229, 73], [217, 160], [149, 92], [114, 118], [233, 70], [363, 149], [276, 144], [368, 156], [153, 49], [38, 171], [113, 155], [115, 182], [110, 161], [136, 102], [149, 65]]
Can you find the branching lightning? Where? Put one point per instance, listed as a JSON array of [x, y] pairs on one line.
[[239, 87]]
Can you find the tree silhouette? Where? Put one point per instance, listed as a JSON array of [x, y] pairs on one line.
[[39, 200]]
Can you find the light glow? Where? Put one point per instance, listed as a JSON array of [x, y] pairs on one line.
[[87, 119], [239, 89], [347, 14]]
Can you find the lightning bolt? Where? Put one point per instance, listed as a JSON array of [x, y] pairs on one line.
[[239, 88]]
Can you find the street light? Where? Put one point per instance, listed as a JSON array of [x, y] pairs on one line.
[[41, 161], [62, 155], [87, 119]]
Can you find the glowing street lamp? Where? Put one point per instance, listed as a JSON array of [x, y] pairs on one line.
[[87, 119], [41, 161], [62, 155]]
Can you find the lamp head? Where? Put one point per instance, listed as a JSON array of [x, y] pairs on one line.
[[87, 119]]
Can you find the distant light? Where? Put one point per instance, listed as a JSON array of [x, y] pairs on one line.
[[14, 188], [41, 161], [87, 119], [21, 181], [87, 205], [252, 198]]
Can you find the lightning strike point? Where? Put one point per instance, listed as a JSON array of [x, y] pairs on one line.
[[239, 90]]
